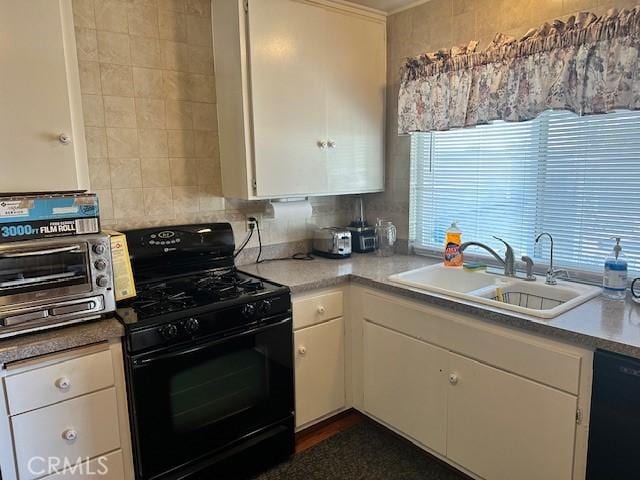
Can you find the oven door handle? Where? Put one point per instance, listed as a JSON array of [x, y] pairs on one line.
[[189, 351], [50, 251]]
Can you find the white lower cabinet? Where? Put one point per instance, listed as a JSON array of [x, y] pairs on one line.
[[459, 387], [105, 467], [505, 427], [319, 370], [80, 428], [64, 415], [405, 384]]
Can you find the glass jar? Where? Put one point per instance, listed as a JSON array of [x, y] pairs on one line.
[[386, 237]]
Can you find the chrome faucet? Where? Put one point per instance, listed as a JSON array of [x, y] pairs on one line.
[[509, 262], [552, 273]]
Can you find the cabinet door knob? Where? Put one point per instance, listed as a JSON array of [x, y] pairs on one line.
[[453, 379], [321, 309], [331, 144], [322, 144], [63, 383], [70, 435], [302, 350], [64, 138]]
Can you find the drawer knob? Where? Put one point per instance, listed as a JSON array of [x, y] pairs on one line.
[[64, 138], [63, 383], [302, 350], [453, 379], [70, 435], [321, 309]]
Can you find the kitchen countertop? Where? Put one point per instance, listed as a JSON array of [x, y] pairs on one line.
[[599, 323], [56, 339]]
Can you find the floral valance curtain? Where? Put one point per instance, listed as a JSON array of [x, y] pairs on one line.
[[587, 65]]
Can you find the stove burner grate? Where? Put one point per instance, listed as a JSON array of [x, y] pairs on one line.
[[183, 293]]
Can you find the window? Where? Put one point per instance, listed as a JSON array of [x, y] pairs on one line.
[[577, 178]]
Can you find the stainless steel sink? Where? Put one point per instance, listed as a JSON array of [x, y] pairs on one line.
[[532, 298]]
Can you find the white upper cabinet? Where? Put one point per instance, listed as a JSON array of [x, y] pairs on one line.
[[289, 91], [301, 92], [41, 135], [356, 82]]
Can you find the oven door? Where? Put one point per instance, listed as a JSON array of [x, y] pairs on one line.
[[190, 403], [43, 271]]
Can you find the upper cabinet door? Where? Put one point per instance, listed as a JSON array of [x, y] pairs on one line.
[[288, 92], [38, 87], [356, 79]]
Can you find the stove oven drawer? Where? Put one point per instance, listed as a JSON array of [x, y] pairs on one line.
[[69, 432], [39, 387]]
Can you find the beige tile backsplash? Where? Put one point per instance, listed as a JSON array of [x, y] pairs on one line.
[[442, 24], [149, 102]]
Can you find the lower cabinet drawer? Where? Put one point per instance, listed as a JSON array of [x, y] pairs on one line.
[[106, 467], [62, 381], [70, 432], [317, 309]]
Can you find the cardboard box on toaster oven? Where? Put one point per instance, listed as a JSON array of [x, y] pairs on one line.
[[125, 286], [30, 216]]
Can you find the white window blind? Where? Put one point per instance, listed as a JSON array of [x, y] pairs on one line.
[[577, 178]]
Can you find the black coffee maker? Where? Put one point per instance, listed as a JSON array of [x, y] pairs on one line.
[[363, 236]]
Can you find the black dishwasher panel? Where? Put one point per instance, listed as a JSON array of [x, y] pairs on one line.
[[614, 428]]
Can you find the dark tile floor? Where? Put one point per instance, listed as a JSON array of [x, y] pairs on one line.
[[365, 451]]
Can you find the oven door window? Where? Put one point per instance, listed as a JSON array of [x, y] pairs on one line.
[[191, 403], [218, 388], [49, 271]]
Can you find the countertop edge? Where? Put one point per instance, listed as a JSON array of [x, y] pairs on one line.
[[500, 317], [31, 345]]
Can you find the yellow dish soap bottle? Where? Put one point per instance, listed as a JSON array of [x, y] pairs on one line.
[[452, 253]]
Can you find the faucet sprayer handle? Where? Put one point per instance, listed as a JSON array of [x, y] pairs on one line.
[[529, 265]]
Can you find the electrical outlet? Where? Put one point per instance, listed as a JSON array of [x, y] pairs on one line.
[[251, 224]]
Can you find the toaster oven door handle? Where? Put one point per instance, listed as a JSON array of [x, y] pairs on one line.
[[50, 251], [45, 278]]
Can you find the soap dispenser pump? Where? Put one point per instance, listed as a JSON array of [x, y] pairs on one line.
[[615, 273]]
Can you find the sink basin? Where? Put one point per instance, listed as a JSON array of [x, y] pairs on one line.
[[441, 279], [532, 298]]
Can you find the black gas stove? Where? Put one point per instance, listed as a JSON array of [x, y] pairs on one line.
[[208, 352]]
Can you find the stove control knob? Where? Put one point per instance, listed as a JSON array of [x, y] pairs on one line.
[[100, 264], [265, 307], [248, 310], [102, 281], [99, 249], [192, 325], [169, 332]]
